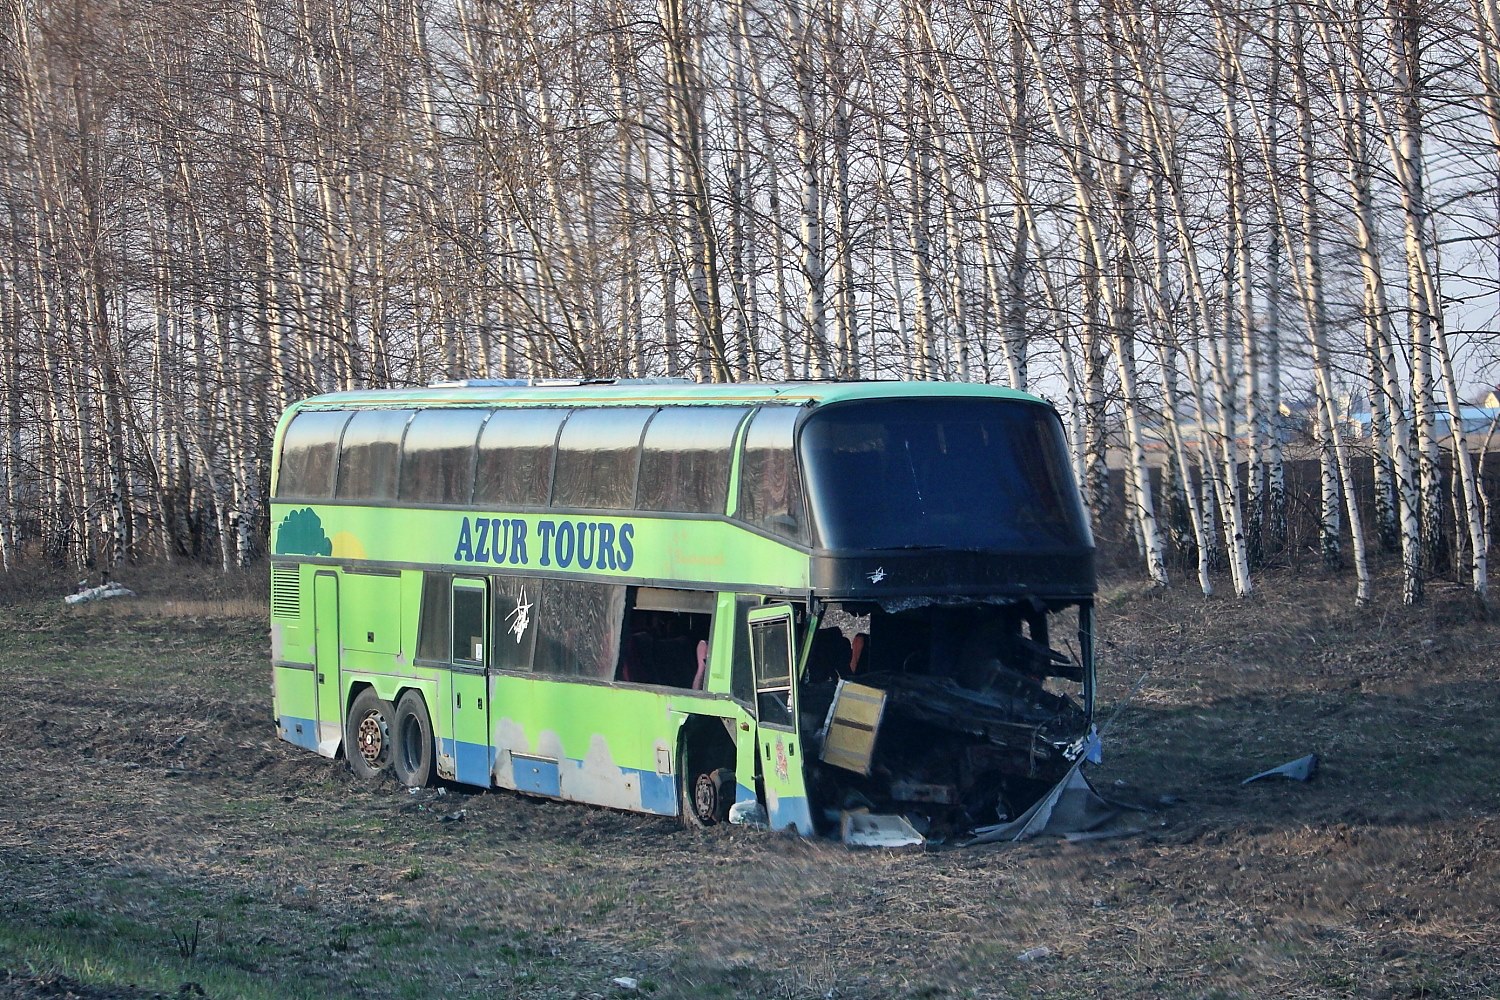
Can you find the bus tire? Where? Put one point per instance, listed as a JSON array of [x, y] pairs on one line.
[[707, 787], [411, 742], [367, 735]]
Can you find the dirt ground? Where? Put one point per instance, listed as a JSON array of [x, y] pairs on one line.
[[157, 840]]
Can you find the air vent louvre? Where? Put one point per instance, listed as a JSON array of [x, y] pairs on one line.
[[286, 593]]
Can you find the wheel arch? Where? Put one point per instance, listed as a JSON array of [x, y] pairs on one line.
[[705, 744]]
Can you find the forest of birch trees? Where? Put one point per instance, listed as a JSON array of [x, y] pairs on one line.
[[1191, 227]]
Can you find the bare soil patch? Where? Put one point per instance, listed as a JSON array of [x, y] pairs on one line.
[[157, 840]]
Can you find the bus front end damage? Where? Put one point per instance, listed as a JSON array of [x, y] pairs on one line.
[[950, 717]]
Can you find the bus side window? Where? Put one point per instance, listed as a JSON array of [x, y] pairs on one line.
[[685, 459], [598, 455], [663, 632], [468, 624], [770, 485], [741, 681], [437, 455], [514, 463], [309, 454], [578, 626], [370, 455], [513, 634], [433, 626]]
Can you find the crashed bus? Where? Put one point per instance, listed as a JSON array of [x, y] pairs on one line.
[[796, 602]]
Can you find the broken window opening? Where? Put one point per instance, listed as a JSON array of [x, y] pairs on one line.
[[666, 637]]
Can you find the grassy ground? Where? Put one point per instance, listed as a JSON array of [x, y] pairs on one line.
[[155, 838]]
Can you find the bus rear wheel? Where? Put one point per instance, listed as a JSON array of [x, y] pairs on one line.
[[367, 735], [411, 751]]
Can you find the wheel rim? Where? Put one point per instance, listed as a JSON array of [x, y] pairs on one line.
[[706, 799], [372, 738]]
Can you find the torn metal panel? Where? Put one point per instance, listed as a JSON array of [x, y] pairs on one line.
[[1301, 769], [1071, 807]]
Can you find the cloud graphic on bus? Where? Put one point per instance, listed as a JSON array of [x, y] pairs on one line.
[[301, 534]]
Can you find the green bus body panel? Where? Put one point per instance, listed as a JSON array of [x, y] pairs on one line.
[[584, 742], [295, 704], [370, 619], [698, 552]]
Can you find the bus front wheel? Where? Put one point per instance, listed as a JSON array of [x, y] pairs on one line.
[[367, 735], [411, 751], [707, 789]]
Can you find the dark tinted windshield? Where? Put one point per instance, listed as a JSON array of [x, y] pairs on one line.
[[952, 473]]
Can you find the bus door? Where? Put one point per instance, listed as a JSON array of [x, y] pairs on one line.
[[470, 705], [777, 744], [328, 686]]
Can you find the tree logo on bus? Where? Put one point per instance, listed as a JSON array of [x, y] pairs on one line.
[[783, 769], [301, 533]]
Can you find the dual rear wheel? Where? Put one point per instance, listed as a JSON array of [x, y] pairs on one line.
[[381, 738]]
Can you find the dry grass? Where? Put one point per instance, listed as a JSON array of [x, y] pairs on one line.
[[1376, 879]]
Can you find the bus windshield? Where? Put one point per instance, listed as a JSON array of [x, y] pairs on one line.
[[964, 473]]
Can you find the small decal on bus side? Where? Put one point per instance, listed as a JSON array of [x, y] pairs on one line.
[[503, 541], [520, 617]]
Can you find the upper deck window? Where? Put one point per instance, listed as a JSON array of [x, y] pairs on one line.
[[685, 459], [597, 458], [437, 456], [515, 458], [368, 457], [308, 453], [951, 473], [770, 485]]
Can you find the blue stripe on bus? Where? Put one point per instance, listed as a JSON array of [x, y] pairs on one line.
[[658, 792], [299, 732], [792, 812], [539, 777], [472, 763]]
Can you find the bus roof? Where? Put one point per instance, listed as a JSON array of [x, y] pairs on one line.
[[654, 392]]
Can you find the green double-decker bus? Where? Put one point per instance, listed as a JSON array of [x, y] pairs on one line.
[[811, 598]]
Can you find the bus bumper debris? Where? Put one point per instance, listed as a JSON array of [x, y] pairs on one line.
[[862, 829], [748, 813], [100, 593]]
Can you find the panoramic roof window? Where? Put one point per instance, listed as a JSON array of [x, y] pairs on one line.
[[597, 457], [685, 459], [770, 486], [514, 467], [437, 456], [308, 451], [368, 458], [980, 474]]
